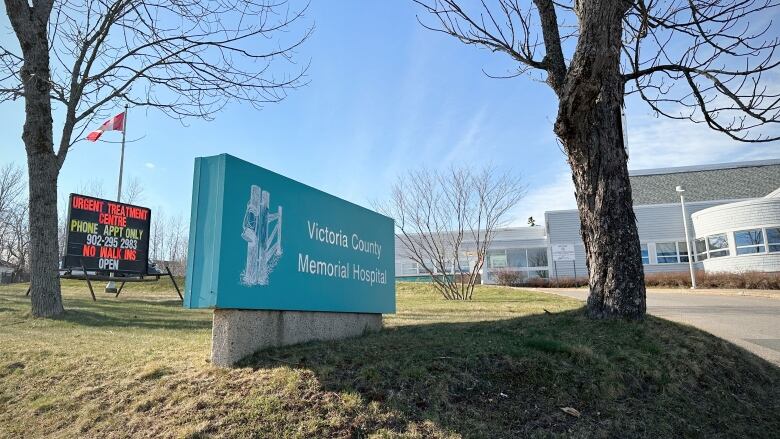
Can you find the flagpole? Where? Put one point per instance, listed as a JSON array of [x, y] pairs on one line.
[[122, 157], [111, 286]]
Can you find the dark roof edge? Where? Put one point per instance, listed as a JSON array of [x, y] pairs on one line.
[[712, 167]]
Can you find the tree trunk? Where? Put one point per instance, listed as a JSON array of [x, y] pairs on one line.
[[30, 25], [589, 126], [44, 250]]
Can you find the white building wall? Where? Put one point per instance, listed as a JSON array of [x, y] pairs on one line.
[[750, 214], [511, 241], [506, 238], [655, 223], [736, 264], [759, 213]]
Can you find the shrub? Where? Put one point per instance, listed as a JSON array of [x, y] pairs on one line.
[[561, 282], [517, 279], [682, 279], [748, 280], [508, 277]]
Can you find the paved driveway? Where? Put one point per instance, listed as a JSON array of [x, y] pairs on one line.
[[748, 321]]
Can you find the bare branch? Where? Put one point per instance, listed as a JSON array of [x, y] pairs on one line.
[[185, 58], [707, 61], [133, 192], [727, 48], [447, 220], [553, 61], [504, 27], [14, 233]]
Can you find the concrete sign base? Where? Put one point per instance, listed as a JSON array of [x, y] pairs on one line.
[[238, 333]]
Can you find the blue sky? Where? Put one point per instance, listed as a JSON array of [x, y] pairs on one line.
[[385, 95]]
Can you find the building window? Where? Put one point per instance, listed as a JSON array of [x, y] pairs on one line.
[[718, 245], [516, 257], [701, 249], [537, 257], [682, 251], [497, 260], [645, 254], [749, 241], [666, 252], [773, 238], [409, 268]]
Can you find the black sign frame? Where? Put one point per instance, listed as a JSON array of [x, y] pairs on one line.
[[73, 255]]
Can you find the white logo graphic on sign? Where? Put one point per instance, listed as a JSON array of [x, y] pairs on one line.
[[263, 235]]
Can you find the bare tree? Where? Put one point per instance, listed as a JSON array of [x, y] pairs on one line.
[[168, 239], [11, 187], [14, 234], [86, 59], [93, 188], [157, 235], [176, 244], [706, 61], [16, 246], [447, 220], [62, 228], [133, 192]]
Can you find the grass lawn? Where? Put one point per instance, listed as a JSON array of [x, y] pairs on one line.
[[498, 366]]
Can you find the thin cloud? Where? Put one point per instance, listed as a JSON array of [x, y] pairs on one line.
[[660, 142], [470, 140]]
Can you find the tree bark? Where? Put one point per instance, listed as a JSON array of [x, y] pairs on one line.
[[30, 25], [589, 126], [44, 251]]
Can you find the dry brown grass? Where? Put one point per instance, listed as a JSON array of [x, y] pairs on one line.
[[495, 367]]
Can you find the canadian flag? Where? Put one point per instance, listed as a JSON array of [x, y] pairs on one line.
[[116, 123]]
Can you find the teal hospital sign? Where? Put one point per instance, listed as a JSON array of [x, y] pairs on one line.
[[259, 240]]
